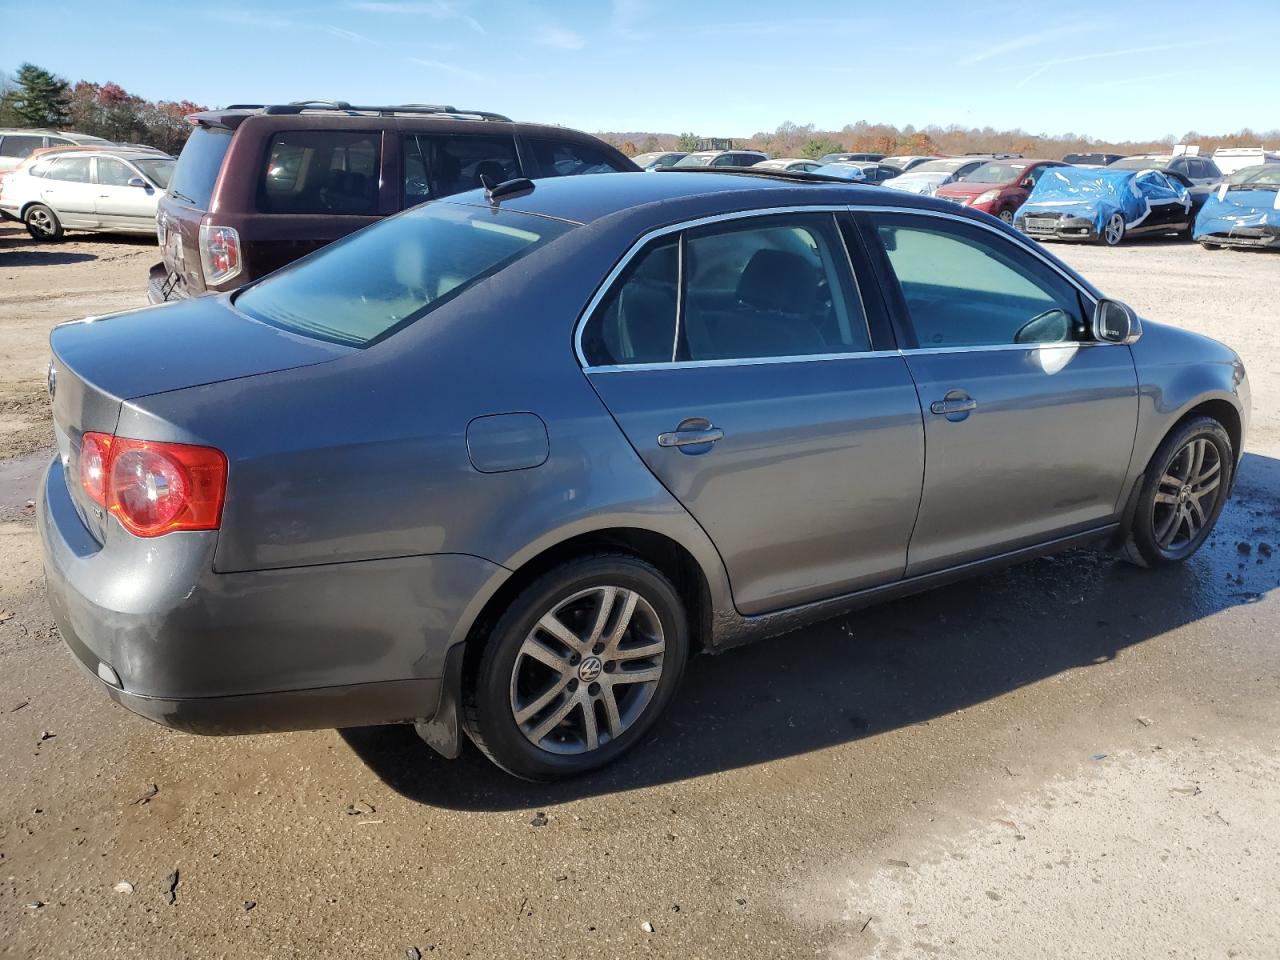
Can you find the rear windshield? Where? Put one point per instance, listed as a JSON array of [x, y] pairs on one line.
[[997, 172], [695, 160], [1140, 163], [198, 166], [381, 279]]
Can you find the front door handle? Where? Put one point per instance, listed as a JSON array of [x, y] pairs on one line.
[[953, 405]]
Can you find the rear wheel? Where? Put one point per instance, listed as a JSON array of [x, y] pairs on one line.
[[1112, 230], [42, 223], [1183, 492], [578, 668]]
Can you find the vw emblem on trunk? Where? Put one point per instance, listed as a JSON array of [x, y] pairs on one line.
[[52, 380]]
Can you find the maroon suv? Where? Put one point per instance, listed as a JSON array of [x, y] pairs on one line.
[[257, 187]]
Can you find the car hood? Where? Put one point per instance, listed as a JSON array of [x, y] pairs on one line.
[[968, 188], [185, 344]]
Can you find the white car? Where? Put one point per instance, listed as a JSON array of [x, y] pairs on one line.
[[108, 190], [16, 144], [926, 178]]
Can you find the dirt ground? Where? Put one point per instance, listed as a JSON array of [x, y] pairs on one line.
[[1071, 757]]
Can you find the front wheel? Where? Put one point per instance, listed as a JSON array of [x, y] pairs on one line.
[[1113, 230], [578, 668], [42, 223], [1007, 216], [1183, 492]]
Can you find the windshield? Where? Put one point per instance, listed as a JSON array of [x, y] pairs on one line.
[[377, 281], [997, 172], [845, 171], [937, 166], [1267, 175], [158, 171], [695, 160], [1140, 163], [644, 159]]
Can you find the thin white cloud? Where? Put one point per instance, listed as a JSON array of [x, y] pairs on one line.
[[1107, 54], [247, 18], [435, 9], [559, 38], [1013, 44], [452, 69], [351, 35]]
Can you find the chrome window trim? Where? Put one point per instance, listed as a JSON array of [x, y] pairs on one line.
[[612, 278]]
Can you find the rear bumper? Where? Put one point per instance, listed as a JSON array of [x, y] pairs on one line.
[[164, 286], [311, 647]]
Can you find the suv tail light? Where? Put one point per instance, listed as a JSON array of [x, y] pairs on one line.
[[154, 488], [219, 253]]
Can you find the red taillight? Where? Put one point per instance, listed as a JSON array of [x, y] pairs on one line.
[[219, 253], [154, 488]]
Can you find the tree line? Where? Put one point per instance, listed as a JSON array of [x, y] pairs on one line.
[[805, 140], [34, 97]]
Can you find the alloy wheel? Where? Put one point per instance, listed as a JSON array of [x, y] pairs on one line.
[[586, 671], [1113, 230], [1007, 216], [41, 222], [1186, 494]]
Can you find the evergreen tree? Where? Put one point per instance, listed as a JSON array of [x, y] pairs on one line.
[[42, 98]]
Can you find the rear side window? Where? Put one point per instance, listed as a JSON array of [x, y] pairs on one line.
[[19, 146], [376, 281], [771, 287], [198, 166], [72, 169], [437, 166], [563, 158], [321, 172]]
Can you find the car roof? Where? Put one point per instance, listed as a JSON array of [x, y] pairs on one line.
[[587, 199]]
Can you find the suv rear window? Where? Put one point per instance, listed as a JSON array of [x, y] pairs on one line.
[[198, 166], [436, 166], [377, 281], [325, 172], [562, 158]]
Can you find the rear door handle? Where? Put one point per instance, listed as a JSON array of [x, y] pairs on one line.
[[684, 438], [953, 405]]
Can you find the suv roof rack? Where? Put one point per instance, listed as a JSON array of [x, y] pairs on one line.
[[387, 110]]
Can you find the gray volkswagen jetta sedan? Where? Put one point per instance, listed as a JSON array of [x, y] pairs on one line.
[[498, 465]]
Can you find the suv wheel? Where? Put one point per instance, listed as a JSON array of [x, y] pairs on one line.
[[1182, 494], [42, 223], [1007, 216], [578, 668]]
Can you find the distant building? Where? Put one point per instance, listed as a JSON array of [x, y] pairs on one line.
[[715, 143]]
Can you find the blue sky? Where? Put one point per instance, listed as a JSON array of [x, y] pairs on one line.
[[1116, 69]]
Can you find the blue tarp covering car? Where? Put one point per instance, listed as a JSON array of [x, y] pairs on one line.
[[1244, 211], [1075, 203]]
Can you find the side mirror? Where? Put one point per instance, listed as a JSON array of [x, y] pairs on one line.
[[1115, 322], [139, 182]]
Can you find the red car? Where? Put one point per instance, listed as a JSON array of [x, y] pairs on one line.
[[998, 187]]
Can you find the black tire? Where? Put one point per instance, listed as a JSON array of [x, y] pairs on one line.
[[1143, 546], [1007, 216], [42, 223], [488, 698]]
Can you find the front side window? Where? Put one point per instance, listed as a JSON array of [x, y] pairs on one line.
[[965, 287], [763, 288], [562, 158], [72, 169], [321, 172], [439, 166], [18, 145], [376, 281], [113, 173]]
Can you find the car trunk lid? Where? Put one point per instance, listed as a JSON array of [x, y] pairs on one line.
[[100, 363]]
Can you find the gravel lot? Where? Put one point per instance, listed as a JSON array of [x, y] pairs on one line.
[[1069, 757]]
